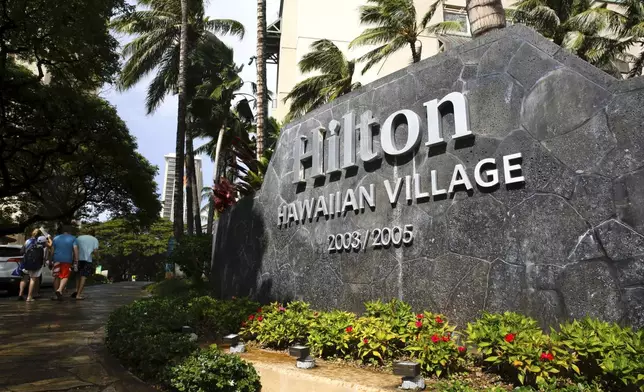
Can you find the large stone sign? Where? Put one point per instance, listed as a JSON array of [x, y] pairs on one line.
[[504, 174]]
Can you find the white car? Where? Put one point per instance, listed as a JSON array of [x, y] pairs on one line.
[[10, 258]]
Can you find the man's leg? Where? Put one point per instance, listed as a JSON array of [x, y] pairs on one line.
[[23, 284], [33, 281]]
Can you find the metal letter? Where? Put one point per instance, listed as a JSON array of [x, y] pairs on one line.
[[332, 204], [369, 197], [366, 137], [292, 213], [314, 153], [459, 171], [281, 215], [304, 209], [333, 163], [493, 172], [508, 169], [393, 194], [408, 188], [320, 208], [413, 133], [350, 201], [435, 113], [435, 190], [349, 141], [419, 195]]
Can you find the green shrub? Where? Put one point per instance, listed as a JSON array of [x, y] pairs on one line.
[[435, 346], [328, 335], [176, 288], [193, 255], [515, 346], [145, 336], [278, 326], [216, 318], [210, 370], [607, 353]]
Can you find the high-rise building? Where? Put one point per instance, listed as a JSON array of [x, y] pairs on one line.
[[167, 194]]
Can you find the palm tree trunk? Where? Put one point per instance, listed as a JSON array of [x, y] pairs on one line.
[[262, 104], [211, 215], [220, 141], [485, 15], [181, 124], [415, 53], [196, 192], [190, 176]]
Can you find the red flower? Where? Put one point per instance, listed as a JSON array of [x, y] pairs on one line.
[[349, 329], [445, 338], [251, 317], [365, 341], [282, 309], [244, 323], [259, 310], [439, 320], [420, 316], [419, 324], [509, 338], [547, 357], [461, 349], [260, 318], [436, 338]]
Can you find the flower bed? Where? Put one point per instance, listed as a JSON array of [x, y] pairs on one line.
[[582, 355]]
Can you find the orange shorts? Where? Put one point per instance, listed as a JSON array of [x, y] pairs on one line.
[[62, 270]]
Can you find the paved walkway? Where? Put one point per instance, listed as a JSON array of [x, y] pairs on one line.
[[52, 346]]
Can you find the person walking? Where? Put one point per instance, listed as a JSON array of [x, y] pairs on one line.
[[65, 254], [87, 244], [34, 252]]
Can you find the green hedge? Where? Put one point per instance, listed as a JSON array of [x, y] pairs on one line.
[[146, 335]]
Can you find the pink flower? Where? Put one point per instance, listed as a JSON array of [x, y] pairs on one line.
[[260, 318], [419, 324], [509, 337], [436, 339], [349, 329], [445, 338], [365, 341], [439, 320], [251, 317], [282, 309], [461, 349], [547, 357], [420, 316]]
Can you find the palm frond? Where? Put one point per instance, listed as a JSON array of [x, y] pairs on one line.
[[381, 53], [374, 36], [325, 57], [225, 27], [430, 13]]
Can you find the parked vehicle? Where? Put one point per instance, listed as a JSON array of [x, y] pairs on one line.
[[10, 258]]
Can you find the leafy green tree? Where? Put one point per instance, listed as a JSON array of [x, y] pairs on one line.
[[395, 26], [335, 79], [130, 248], [162, 45], [68, 155]]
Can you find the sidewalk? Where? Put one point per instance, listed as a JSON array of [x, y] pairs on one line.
[[52, 346]]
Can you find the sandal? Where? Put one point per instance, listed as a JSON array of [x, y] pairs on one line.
[[79, 298]]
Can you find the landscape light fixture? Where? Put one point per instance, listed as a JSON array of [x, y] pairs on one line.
[[410, 373], [235, 344], [303, 359]]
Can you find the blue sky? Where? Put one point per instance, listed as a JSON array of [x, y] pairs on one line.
[[155, 133]]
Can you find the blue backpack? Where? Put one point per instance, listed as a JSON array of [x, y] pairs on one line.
[[34, 256]]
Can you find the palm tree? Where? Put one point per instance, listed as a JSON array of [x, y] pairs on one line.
[[158, 47], [262, 103], [395, 27], [335, 79], [577, 26], [484, 15]]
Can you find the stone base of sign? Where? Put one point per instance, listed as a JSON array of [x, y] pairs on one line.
[[238, 348], [306, 363], [413, 383]]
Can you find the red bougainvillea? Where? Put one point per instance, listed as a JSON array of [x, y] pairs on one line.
[[509, 338], [224, 194]]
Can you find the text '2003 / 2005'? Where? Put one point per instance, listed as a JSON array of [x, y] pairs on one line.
[[380, 238]]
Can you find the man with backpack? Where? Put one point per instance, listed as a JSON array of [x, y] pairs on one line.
[[32, 263]]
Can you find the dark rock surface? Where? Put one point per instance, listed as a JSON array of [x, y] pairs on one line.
[[568, 242]]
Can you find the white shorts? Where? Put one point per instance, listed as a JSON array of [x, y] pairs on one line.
[[32, 274]]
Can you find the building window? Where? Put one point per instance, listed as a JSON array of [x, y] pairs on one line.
[[454, 14]]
